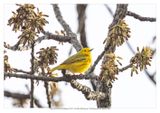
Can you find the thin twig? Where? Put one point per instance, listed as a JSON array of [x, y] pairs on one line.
[[16, 47], [130, 47], [48, 35], [136, 16], [154, 39], [98, 59], [32, 81], [96, 62], [47, 89], [151, 77], [20, 70], [109, 10], [125, 68], [47, 93]]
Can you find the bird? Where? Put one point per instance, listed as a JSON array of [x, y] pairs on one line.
[[77, 63]]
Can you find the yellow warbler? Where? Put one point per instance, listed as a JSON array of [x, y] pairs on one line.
[[77, 63]]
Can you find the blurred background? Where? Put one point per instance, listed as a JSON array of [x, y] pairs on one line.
[[138, 91]]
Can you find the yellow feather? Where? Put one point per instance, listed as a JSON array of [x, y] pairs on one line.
[[77, 63]]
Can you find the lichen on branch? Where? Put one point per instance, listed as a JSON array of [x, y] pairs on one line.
[[119, 33]]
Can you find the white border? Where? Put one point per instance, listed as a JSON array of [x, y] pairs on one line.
[[80, 110]]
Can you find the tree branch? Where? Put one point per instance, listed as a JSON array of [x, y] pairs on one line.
[[129, 13], [81, 8], [136, 16], [47, 93], [105, 87], [21, 96], [66, 27], [95, 63], [61, 20], [48, 35], [119, 14], [20, 70], [90, 95], [151, 77], [109, 10], [16, 95], [125, 68], [16, 47], [32, 73], [47, 89], [130, 47], [66, 78]]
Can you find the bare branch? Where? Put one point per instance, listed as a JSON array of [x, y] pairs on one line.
[[95, 63], [109, 10], [48, 35], [66, 27], [125, 68], [81, 8], [20, 70], [47, 89], [47, 93], [61, 20], [90, 95], [119, 14], [16, 47], [136, 16], [16, 95], [154, 39], [130, 47], [32, 73], [150, 76], [37, 103], [55, 79], [21, 96]]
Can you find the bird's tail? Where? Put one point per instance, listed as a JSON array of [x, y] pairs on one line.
[[55, 68]]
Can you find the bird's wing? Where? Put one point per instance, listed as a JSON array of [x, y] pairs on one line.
[[74, 59]]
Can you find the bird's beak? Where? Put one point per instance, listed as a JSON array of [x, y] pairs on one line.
[[91, 49]]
